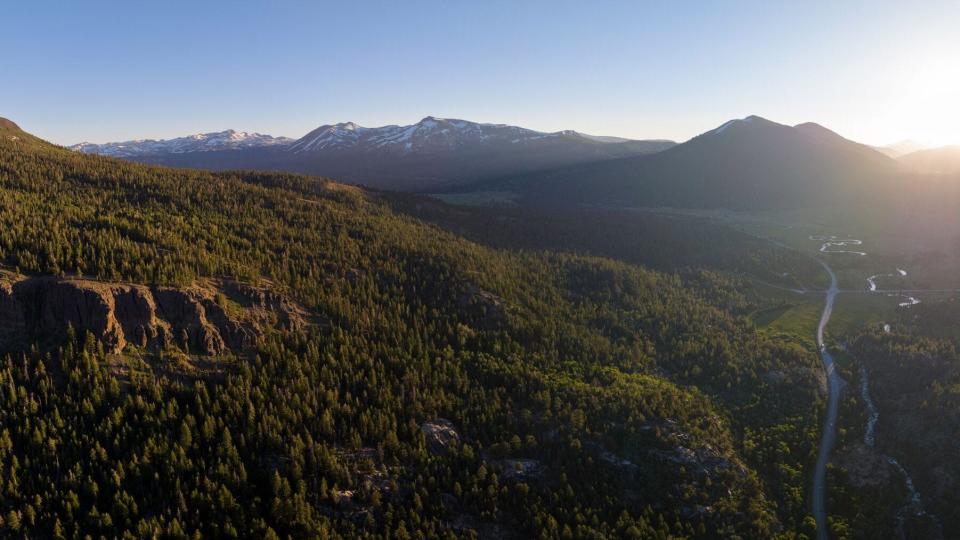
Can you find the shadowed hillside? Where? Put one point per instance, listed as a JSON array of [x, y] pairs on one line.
[[747, 163]]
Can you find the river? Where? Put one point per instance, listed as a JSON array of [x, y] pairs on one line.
[[835, 384], [914, 507]]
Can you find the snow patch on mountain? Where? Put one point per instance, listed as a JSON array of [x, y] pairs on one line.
[[200, 142], [429, 134], [432, 135], [727, 125]]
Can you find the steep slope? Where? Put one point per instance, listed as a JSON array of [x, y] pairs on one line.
[[943, 160], [433, 152], [8, 126], [198, 319], [455, 389], [11, 133], [745, 163]]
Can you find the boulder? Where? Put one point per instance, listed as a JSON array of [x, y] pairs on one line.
[[518, 468]]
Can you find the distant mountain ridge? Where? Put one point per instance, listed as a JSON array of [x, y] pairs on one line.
[[942, 160], [428, 134], [433, 152], [437, 134], [900, 148], [200, 142], [748, 162]]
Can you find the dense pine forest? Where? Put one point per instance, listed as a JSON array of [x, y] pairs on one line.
[[452, 379], [913, 374]]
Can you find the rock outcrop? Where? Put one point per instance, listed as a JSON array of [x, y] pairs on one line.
[[485, 308], [204, 319], [518, 468], [441, 435]]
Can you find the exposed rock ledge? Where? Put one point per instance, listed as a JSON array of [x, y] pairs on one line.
[[207, 318]]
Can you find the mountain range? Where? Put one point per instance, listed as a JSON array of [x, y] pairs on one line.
[[924, 159], [943, 160], [900, 148], [201, 142], [749, 162], [433, 153]]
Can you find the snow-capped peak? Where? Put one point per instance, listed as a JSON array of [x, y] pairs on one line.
[[429, 134], [728, 124], [342, 135], [752, 119], [199, 142]]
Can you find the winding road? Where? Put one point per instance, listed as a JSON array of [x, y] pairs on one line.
[[834, 385]]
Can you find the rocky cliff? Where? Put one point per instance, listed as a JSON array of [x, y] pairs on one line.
[[206, 318]]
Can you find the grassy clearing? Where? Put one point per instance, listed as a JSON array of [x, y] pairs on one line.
[[794, 321], [856, 310], [852, 311], [788, 315]]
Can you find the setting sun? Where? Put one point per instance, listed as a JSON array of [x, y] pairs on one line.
[[928, 106]]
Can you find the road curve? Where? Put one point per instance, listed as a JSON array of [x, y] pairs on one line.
[[834, 385]]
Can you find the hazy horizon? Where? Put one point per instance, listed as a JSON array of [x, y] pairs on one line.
[[480, 121], [100, 74]]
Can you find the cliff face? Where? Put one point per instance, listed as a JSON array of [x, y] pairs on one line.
[[206, 319]]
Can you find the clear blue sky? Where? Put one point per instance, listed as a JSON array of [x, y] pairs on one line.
[[105, 71]]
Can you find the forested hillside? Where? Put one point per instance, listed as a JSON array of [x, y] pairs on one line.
[[659, 241], [914, 374], [439, 386]]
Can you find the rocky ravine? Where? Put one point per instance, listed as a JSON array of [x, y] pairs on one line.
[[207, 318]]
